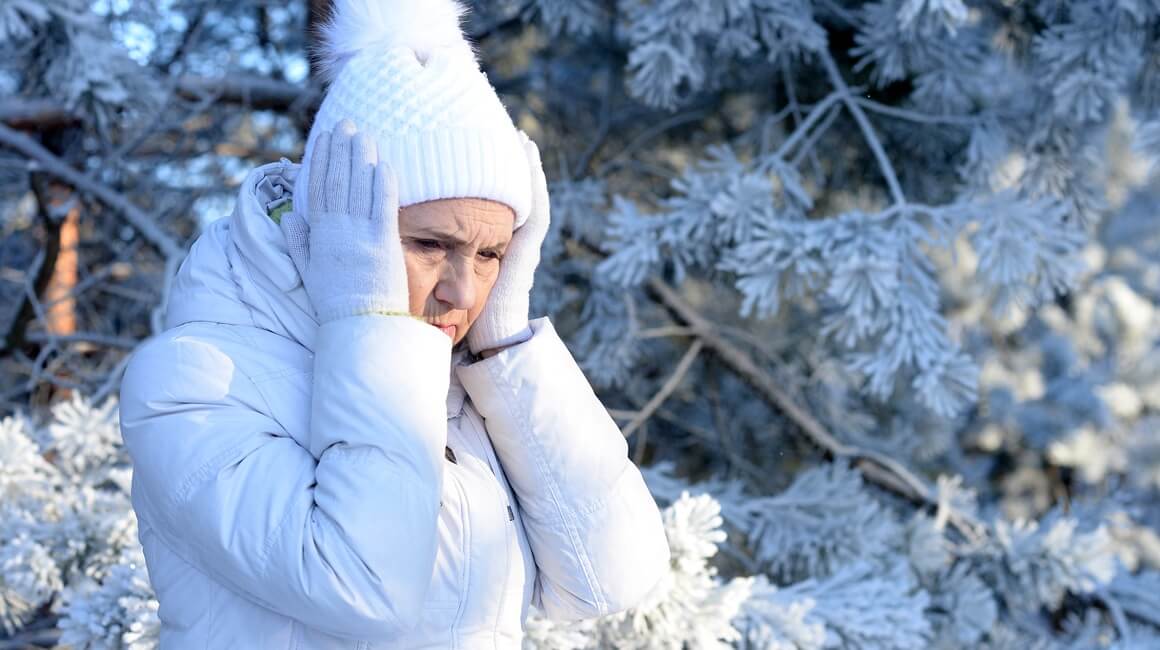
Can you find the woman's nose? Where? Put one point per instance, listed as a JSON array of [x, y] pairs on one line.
[[455, 287]]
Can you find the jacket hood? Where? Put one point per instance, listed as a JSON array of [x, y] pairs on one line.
[[239, 271]]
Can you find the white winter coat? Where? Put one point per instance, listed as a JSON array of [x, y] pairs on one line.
[[293, 487]]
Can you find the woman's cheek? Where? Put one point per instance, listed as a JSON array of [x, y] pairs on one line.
[[422, 274], [421, 260], [487, 269], [484, 284]]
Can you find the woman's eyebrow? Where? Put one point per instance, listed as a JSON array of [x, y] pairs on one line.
[[453, 238], [441, 235]]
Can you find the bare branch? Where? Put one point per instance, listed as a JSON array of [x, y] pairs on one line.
[[811, 118], [915, 116], [47, 161], [251, 90], [863, 123], [667, 389], [24, 113], [239, 88], [648, 134], [795, 108], [759, 476], [666, 331], [84, 337], [880, 469]]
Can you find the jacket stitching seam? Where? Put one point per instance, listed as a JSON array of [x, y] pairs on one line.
[[280, 373], [231, 253], [269, 541], [198, 475], [240, 336], [601, 504], [245, 268], [213, 605], [596, 505], [567, 519], [466, 554], [215, 579], [507, 530], [263, 558]]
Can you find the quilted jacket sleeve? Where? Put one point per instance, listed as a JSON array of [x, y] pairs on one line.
[[341, 536], [594, 529]]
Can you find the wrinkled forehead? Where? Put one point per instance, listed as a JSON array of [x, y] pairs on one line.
[[482, 222]]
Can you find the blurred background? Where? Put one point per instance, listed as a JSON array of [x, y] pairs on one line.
[[873, 289]]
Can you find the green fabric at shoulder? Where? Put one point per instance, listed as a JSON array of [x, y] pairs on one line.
[[276, 213]]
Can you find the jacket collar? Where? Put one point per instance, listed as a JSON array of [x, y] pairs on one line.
[[456, 394]]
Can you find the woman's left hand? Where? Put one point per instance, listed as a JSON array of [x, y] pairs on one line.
[[504, 319]]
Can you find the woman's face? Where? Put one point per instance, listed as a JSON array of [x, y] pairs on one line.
[[452, 249]]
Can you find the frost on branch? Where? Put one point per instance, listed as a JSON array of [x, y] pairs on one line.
[[930, 225], [1034, 564], [691, 607], [119, 612], [824, 520], [29, 578], [68, 535]]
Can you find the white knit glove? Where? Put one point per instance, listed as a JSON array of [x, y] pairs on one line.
[[347, 247], [504, 319]]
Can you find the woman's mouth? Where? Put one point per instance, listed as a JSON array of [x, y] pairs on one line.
[[449, 330]]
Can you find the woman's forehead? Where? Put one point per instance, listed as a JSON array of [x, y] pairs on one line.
[[462, 220]]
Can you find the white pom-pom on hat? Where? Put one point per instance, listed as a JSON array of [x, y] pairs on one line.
[[402, 71], [354, 26]]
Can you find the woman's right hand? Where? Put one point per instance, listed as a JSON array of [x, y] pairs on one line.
[[347, 246]]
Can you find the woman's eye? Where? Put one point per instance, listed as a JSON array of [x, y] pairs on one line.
[[429, 244], [491, 255]]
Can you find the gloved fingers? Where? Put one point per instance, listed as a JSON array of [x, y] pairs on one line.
[[297, 234], [319, 161], [338, 171], [541, 204], [385, 211], [385, 202], [532, 151], [364, 157]]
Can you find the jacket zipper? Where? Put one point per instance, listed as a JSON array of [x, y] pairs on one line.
[[489, 453], [465, 517], [492, 462]]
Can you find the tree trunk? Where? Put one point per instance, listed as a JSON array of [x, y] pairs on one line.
[[60, 316]]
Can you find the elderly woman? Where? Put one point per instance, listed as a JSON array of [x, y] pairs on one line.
[[350, 434]]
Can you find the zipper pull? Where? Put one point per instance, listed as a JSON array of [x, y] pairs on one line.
[[511, 515]]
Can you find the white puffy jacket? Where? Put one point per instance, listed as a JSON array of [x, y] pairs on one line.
[[358, 485]]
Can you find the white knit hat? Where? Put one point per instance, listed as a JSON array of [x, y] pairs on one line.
[[402, 70]]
